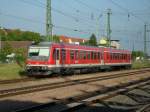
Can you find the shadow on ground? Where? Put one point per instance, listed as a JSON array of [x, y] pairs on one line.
[[11, 106]]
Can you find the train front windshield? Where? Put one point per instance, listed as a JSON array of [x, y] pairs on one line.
[[40, 53]]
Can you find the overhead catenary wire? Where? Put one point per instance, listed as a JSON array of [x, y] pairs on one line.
[[86, 5], [40, 22], [42, 5], [61, 27], [127, 10], [77, 19]]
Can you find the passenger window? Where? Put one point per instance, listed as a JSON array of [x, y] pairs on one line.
[[77, 55], [98, 55], [92, 55], [88, 55], [101, 55], [80, 54], [71, 54], [95, 55], [84, 55], [107, 55]]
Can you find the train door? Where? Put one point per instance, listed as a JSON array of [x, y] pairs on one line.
[[63, 56], [57, 57], [76, 56]]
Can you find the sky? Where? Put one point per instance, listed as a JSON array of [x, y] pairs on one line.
[[81, 18]]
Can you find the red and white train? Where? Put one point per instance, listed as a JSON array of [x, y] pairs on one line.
[[47, 58]]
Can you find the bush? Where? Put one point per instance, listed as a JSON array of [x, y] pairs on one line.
[[140, 64], [20, 60], [2, 57]]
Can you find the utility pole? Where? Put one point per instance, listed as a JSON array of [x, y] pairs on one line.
[[133, 47], [145, 49], [49, 21], [98, 26], [108, 27]]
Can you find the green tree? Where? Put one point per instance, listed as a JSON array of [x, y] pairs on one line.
[[92, 40], [31, 36], [3, 35], [18, 35], [137, 54], [56, 38], [14, 35], [5, 51]]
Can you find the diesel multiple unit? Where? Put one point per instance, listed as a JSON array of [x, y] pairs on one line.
[[47, 58]]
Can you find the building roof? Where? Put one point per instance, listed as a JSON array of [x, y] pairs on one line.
[[17, 44], [66, 39]]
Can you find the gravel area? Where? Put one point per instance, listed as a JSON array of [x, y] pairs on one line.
[[122, 103], [16, 102]]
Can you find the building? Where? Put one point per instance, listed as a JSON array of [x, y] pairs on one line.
[[16, 44], [72, 40], [105, 42]]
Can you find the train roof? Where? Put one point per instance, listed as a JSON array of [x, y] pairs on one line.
[[48, 44]]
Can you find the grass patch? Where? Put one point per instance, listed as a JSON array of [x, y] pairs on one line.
[[10, 71], [140, 64]]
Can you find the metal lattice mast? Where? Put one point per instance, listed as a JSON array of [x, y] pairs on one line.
[[145, 49], [108, 27], [49, 21]]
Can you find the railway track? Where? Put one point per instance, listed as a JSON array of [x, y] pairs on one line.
[[25, 90], [12, 81], [81, 102]]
